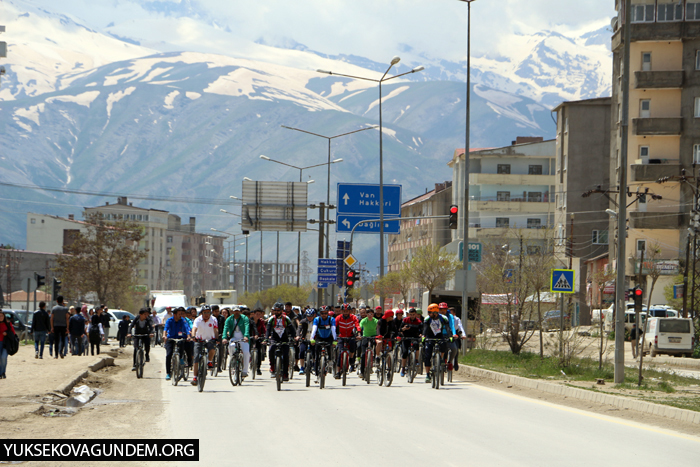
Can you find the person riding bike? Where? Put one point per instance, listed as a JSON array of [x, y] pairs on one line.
[[258, 328], [237, 329], [306, 353], [443, 310], [279, 330], [141, 328], [411, 327], [436, 326], [461, 333], [218, 316], [206, 330], [176, 327], [386, 330], [323, 328], [368, 328], [347, 326]]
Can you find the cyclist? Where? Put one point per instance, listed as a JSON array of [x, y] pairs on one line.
[[258, 328], [324, 326], [216, 314], [386, 330], [237, 329], [363, 312], [436, 326], [443, 309], [175, 328], [157, 325], [347, 326], [141, 328], [368, 328], [461, 333], [378, 313], [206, 330], [306, 352], [279, 330], [411, 327]]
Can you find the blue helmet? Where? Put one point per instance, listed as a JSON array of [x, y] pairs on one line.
[[310, 312]]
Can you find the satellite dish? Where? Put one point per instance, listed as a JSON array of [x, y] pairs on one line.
[[614, 23]]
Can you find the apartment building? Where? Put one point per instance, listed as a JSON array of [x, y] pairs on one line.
[[582, 165], [663, 138], [510, 188]]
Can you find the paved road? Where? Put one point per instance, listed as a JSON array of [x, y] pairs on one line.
[[407, 425]]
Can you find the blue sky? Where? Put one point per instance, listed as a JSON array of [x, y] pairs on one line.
[[375, 29]]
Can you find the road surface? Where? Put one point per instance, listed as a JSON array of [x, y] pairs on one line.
[[405, 424]]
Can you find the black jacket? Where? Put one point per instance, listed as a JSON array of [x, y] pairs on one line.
[[272, 335], [41, 321], [140, 328]]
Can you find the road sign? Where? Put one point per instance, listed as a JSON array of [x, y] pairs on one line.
[[361, 199], [474, 252], [327, 271], [345, 223], [274, 206], [562, 281], [328, 279], [328, 262], [350, 260], [322, 285], [29, 284]]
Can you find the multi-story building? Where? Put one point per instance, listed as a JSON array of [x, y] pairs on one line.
[[510, 188], [247, 277], [582, 162], [663, 136]]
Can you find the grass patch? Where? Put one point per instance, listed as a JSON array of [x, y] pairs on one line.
[[687, 403]]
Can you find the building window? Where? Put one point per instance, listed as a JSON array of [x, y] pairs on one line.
[[641, 246], [645, 108], [503, 196], [600, 237], [534, 197], [534, 223], [646, 61], [643, 11], [692, 13], [534, 170], [697, 107], [502, 222], [145, 217], [167, 262], [696, 154], [503, 169], [33, 221], [670, 10], [644, 154], [169, 239]]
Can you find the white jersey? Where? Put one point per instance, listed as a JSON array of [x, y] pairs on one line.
[[458, 325], [206, 329]]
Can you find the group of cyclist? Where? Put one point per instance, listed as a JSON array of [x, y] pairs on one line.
[[305, 330]]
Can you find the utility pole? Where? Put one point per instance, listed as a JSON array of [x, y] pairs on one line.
[[321, 217]]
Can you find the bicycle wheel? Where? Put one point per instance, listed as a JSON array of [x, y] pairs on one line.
[[322, 371], [278, 372], [232, 371], [443, 367], [411, 369], [239, 369], [202, 376], [436, 370], [390, 371], [291, 362], [175, 368], [345, 366], [308, 364], [185, 371], [139, 363], [419, 370], [215, 362], [368, 365], [254, 362], [381, 371], [395, 359], [223, 359]]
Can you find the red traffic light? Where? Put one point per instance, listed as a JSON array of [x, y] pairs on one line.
[[453, 210], [351, 274], [638, 292]]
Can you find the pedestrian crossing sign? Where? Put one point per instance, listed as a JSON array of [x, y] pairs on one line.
[[562, 281]]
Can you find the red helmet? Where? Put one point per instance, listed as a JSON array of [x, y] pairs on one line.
[[443, 305], [388, 315], [378, 308]]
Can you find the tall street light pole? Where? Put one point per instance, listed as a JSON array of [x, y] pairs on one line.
[[467, 143], [394, 61], [234, 244]]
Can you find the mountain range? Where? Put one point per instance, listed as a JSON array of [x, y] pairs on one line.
[[88, 110]]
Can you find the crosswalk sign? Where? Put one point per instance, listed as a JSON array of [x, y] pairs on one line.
[[562, 281]]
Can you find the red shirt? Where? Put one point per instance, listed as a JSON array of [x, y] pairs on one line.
[[344, 327], [6, 326]]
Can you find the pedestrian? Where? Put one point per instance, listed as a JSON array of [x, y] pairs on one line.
[[41, 324], [95, 332], [6, 328], [634, 341], [123, 330], [157, 326], [105, 319], [59, 326], [76, 328]]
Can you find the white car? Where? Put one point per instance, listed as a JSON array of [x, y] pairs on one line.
[[114, 317]]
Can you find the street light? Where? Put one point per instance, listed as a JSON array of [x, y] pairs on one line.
[[328, 188], [301, 170], [234, 253], [394, 61]]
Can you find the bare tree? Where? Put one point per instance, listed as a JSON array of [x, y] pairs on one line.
[[431, 267], [601, 278], [654, 272]]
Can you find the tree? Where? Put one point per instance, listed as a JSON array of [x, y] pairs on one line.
[[654, 272], [432, 267], [103, 259], [537, 270], [602, 277]]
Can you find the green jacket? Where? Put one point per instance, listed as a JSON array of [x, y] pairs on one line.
[[243, 325]]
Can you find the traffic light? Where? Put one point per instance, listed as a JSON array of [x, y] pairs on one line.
[[40, 280], [56, 288], [453, 216], [638, 295], [350, 279]]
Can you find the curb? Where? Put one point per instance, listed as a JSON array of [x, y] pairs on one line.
[[66, 387], [681, 362], [585, 395]]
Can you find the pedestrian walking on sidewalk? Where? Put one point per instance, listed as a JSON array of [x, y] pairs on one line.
[[123, 330], [6, 329], [76, 328], [95, 332], [59, 326], [634, 340], [41, 324]]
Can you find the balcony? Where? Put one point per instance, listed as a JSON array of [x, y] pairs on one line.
[[664, 126], [511, 179], [655, 220], [654, 170], [658, 79], [515, 205], [499, 232]]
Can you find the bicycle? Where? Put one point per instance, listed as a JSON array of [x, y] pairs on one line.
[[235, 367], [307, 362], [385, 371], [292, 360], [215, 362], [201, 364], [254, 357], [344, 358], [223, 358], [437, 369], [179, 366], [323, 362], [279, 358], [140, 356], [368, 358], [396, 356], [411, 361]]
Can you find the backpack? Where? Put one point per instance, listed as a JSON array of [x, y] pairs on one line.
[[94, 334], [11, 341]]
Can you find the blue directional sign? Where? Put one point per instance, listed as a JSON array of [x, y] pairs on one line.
[[345, 223], [327, 262], [327, 271], [562, 281], [322, 285], [360, 199], [328, 279]]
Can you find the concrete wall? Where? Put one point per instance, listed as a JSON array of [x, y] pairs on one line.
[[45, 232]]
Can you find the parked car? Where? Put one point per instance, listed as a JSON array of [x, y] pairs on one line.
[[552, 320], [657, 311], [114, 317], [671, 336], [15, 317]]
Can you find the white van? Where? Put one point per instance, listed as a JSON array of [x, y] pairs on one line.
[[630, 319], [672, 336]]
